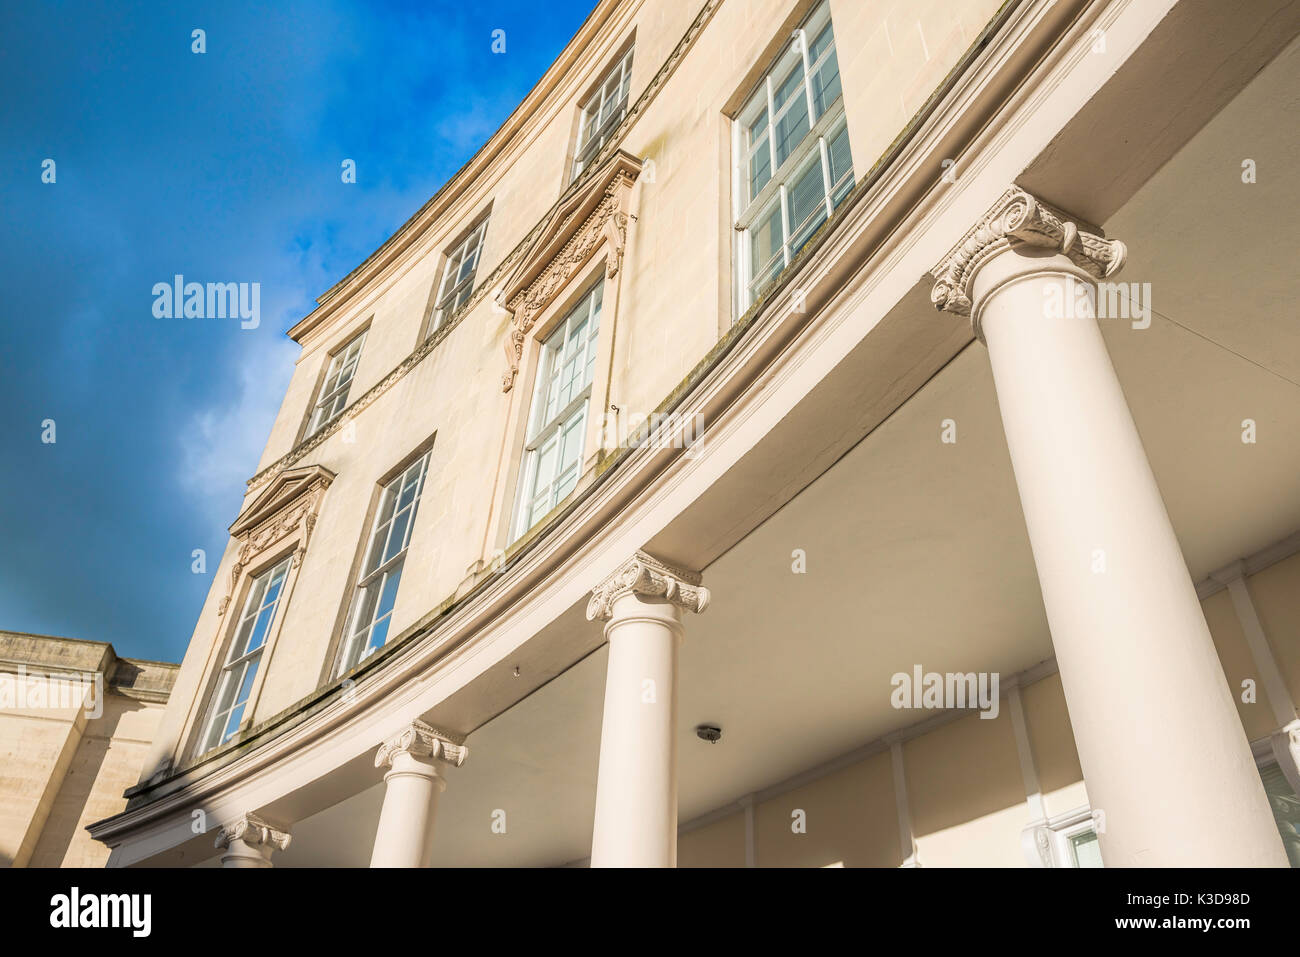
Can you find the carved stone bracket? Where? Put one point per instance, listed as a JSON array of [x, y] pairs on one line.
[[645, 575], [1019, 219], [1036, 844], [425, 742], [289, 506], [567, 243], [253, 831]]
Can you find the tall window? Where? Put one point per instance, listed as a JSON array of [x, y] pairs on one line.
[[792, 160], [458, 276], [557, 420], [236, 681], [338, 380], [381, 570], [602, 113]]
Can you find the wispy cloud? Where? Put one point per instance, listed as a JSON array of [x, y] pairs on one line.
[[220, 444]]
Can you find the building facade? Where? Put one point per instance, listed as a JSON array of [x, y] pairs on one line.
[[806, 433], [76, 724]]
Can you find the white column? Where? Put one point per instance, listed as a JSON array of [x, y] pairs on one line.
[[414, 757], [1164, 756], [249, 842], [636, 787]]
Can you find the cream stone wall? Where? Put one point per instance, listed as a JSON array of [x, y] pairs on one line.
[[673, 302], [965, 789], [68, 753]]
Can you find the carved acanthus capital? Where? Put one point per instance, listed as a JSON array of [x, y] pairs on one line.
[[253, 831], [1019, 219], [424, 742], [645, 575]]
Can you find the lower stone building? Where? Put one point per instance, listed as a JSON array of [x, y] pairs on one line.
[[76, 723]]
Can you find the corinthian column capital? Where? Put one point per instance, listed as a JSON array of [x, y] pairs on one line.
[[645, 575], [252, 831], [1017, 220], [422, 742]]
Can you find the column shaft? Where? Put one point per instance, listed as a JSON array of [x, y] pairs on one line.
[[1163, 752], [636, 790], [405, 832], [636, 785]]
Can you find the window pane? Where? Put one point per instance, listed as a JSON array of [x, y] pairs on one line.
[[791, 128], [765, 245], [760, 166], [246, 686], [1086, 849], [258, 637], [791, 125], [231, 724], [841, 163], [788, 88], [807, 204], [826, 76], [397, 535]]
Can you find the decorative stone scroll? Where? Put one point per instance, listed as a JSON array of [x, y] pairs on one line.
[[289, 507], [644, 574], [577, 231], [254, 832], [425, 742], [1017, 219]]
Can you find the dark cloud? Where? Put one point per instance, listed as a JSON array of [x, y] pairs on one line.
[[221, 167]]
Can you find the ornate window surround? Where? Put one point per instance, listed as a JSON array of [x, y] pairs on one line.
[[586, 233], [277, 524]]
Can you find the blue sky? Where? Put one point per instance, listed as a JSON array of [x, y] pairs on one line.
[[221, 166]]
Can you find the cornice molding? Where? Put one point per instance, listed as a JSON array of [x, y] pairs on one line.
[[546, 97], [423, 742], [252, 830], [645, 575], [1020, 219]]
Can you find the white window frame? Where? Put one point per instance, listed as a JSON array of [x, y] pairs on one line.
[[1063, 829], [454, 292], [334, 390], [571, 417], [749, 211], [602, 112], [239, 672], [378, 573]]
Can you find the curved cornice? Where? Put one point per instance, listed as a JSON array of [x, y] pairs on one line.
[[464, 178]]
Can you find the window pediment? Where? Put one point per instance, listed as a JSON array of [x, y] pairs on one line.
[[596, 214], [286, 509]]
